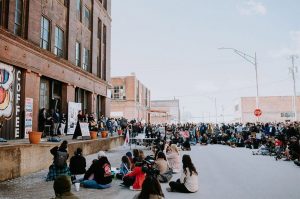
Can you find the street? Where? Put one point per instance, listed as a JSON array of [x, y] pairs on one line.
[[224, 172]]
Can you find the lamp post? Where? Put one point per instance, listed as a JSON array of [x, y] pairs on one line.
[[253, 61]]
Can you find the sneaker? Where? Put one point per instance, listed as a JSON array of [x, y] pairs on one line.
[[169, 189]]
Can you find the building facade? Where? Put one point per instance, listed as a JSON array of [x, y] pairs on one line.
[[130, 98], [165, 111], [274, 109], [52, 52]]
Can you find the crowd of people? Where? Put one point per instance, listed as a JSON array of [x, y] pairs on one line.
[[146, 173], [136, 171]]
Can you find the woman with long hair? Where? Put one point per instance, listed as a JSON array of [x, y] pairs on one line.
[[188, 182], [151, 189], [124, 168]]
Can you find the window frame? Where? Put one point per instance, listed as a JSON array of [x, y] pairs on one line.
[[56, 47], [86, 59], [42, 40], [79, 10], [78, 54], [87, 20], [18, 24]]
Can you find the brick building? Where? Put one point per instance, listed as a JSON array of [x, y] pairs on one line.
[[54, 52], [274, 109], [165, 111], [130, 98]]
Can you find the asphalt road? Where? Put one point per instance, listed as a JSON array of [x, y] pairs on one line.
[[224, 173]]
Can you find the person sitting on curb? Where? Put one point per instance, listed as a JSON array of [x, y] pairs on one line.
[[62, 188], [151, 189], [59, 166], [188, 182], [99, 175]]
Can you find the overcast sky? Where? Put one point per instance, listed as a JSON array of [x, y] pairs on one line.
[[172, 46]]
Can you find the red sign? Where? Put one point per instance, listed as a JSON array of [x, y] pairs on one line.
[[257, 112]]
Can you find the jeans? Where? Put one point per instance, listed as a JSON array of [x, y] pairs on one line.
[[94, 185]]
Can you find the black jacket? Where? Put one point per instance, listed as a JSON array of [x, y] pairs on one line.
[[102, 171], [77, 165]]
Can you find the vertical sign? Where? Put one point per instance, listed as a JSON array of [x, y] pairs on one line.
[[28, 115], [18, 103]]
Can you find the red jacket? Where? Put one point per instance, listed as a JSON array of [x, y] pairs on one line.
[[139, 177]]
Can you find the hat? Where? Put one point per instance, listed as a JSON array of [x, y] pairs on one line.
[[62, 184], [101, 154]]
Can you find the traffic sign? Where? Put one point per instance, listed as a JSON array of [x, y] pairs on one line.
[[257, 112]]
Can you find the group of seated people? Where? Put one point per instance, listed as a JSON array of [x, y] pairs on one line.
[[136, 171]]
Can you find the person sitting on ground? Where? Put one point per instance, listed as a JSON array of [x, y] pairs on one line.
[[136, 156], [135, 178], [62, 188], [77, 164], [129, 155], [99, 175], [186, 146], [173, 158], [262, 150], [151, 189], [59, 166], [204, 139], [124, 168], [188, 182], [161, 163]]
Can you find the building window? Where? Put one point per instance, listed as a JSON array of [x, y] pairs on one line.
[[79, 10], [104, 54], [18, 18], [44, 94], [59, 42], [138, 91], [105, 4], [87, 17], [99, 29], [78, 54], [45, 33], [1, 11], [86, 59], [119, 93], [81, 96]]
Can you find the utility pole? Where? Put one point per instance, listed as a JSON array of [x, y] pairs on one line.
[[294, 70], [216, 109]]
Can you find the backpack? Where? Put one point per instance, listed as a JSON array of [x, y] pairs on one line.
[[60, 159]]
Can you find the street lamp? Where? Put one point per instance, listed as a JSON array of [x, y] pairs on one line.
[[253, 61]]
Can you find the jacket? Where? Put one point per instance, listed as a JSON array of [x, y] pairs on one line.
[[139, 177], [101, 171], [77, 165]]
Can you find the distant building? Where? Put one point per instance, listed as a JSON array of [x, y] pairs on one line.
[[130, 98], [165, 111], [274, 109]]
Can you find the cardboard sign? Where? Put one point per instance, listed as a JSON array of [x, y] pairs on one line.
[[84, 127]]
